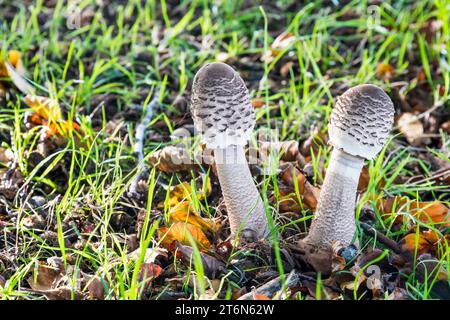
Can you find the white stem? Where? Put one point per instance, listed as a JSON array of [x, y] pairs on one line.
[[242, 199], [335, 215]]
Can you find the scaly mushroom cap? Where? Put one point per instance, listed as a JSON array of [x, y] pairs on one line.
[[361, 121], [220, 106]]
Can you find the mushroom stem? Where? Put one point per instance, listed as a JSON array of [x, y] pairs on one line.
[[242, 199], [335, 216]]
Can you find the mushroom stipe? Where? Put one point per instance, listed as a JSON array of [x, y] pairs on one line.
[[359, 127], [224, 116]]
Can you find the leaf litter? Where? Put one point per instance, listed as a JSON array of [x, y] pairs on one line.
[[411, 230]]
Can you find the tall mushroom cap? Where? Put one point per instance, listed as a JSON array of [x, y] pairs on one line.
[[220, 106], [361, 121]]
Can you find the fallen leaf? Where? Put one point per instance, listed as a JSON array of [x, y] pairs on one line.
[[385, 71], [283, 41], [15, 60], [185, 212], [257, 296], [47, 113], [211, 265], [179, 231], [411, 127], [434, 213], [148, 272], [13, 68], [314, 143], [412, 243], [46, 276], [287, 150], [364, 180], [311, 196], [257, 103], [287, 196], [6, 155], [172, 159], [46, 108], [431, 212]]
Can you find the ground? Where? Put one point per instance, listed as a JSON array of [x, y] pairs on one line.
[[93, 206]]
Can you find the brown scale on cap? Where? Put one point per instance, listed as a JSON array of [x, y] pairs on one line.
[[361, 121], [220, 106]]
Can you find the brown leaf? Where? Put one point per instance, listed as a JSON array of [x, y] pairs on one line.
[[291, 173], [172, 159], [211, 265], [313, 143], [6, 155], [364, 180], [46, 276], [95, 287], [431, 212], [320, 259], [311, 196], [428, 212], [412, 243], [149, 272], [446, 126]]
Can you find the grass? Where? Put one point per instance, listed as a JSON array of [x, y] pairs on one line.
[[101, 70]]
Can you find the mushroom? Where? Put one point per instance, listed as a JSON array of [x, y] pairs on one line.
[[359, 127], [224, 116]]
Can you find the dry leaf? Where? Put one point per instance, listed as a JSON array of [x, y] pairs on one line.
[[257, 103], [287, 149], [172, 159], [313, 143], [179, 231], [257, 296], [46, 276], [15, 60], [148, 272], [431, 212], [385, 71], [411, 242], [185, 212], [211, 265], [411, 128], [427, 212], [288, 198], [48, 113], [6, 155], [283, 41], [13, 68], [46, 108]]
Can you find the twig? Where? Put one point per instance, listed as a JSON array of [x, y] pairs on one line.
[[391, 244], [270, 288], [139, 144]]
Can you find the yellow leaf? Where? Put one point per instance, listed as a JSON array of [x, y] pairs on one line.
[[44, 107], [14, 60], [185, 212], [385, 71], [183, 192], [179, 231]]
